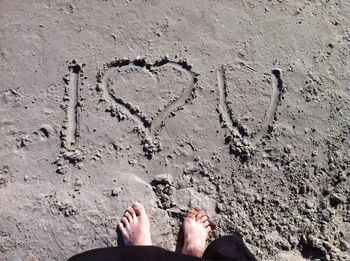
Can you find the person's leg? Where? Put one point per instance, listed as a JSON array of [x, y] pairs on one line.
[[229, 248]]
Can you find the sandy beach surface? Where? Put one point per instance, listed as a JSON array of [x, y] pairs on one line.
[[238, 107]]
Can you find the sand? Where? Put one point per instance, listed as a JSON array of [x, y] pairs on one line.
[[238, 107]]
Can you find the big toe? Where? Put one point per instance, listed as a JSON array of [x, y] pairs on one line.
[[139, 209], [193, 212]]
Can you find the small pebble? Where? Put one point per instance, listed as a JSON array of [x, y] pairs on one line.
[[287, 149], [115, 192]]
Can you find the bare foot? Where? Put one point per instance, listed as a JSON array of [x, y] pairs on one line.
[[196, 229], [135, 226]]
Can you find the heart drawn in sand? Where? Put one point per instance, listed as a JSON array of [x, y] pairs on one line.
[[156, 90]]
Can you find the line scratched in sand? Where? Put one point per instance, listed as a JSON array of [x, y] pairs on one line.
[[181, 100], [276, 96], [73, 113], [223, 107], [121, 104]]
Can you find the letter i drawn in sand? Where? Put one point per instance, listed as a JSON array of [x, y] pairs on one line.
[[70, 153], [73, 106], [242, 140]]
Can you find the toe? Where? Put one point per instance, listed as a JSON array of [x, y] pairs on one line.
[[208, 228], [121, 228], [212, 225], [204, 218], [132, 212], [125, 221], [199, 216], [195, 210], [190, 217], [139, 209], [193, 213], [206, 223], [128, 216]]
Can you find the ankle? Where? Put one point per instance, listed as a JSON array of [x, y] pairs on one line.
[[193, 250]]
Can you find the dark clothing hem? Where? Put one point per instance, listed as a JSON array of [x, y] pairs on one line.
[[225, 248]]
